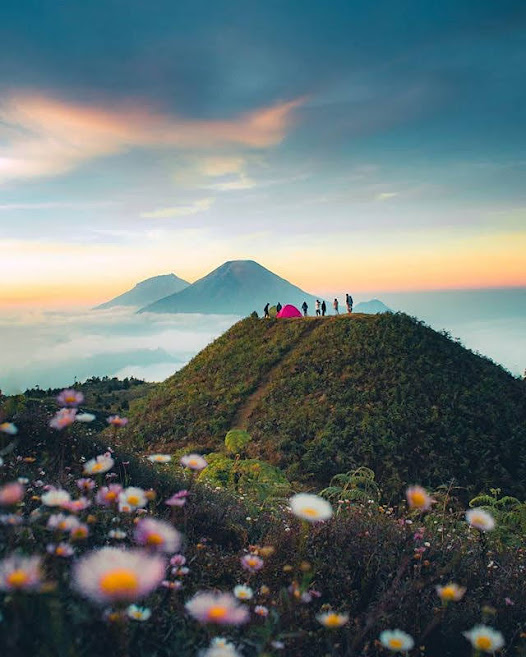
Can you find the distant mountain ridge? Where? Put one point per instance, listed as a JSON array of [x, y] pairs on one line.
[[147, 292], [237, 287], [372, 307]]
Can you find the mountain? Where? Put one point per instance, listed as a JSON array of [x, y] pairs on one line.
[[236, 287], [372, 307], [147, 292], [325, 396]]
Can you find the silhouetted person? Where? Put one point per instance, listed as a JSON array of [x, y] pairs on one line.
[[348, 303], [304, 307], [323, 308], [318, 308], [278, 307], [335, 306], [265, 310]]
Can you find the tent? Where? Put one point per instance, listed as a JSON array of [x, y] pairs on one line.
[[289, 311]]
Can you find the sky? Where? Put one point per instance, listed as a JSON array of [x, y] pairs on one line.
[[381, 144]]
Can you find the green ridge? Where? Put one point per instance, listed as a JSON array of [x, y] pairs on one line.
[[330, 395]]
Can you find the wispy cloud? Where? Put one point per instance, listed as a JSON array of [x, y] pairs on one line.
[[44, 136], [201, 205], [237, 184], [385, 196]]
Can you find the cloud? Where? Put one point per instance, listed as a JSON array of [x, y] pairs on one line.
[[384, 196], [202, 205], [242, 182], [221, 166], [44, 136]]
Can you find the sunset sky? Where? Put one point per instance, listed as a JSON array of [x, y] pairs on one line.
[[342, 144]]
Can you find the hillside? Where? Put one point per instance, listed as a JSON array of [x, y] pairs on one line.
[[147, 292], [237, 287], [324, 396]]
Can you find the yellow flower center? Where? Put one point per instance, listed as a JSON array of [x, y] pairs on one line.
[[192, 463], [17, 579], [418, 498], [448, 593], [61, 551], [134, 499], [120, 581], [483, 642], [154, 539], [396, 643], [97, 467], [478, 520], [218, 612], [332, 620], [111, 496], [70, 399], [309, 511]]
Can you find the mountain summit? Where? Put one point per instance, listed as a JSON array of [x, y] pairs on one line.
[[147, 292], [237, 287]]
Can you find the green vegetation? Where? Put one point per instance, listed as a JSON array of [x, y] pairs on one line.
[[321, 397]]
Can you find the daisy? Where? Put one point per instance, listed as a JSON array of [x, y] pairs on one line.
[[20, 574], [111, 575], [396, 640], [11, 494], [243, 592], [261, 610], [177, 499], [85, 484], [310, 507], [158, 535], [117, 421], [77, 505], [485, 638], [60, 550], [99, 465], [63, 418], [85, 417], [61, 522], [117, 534], [159, 458], [332, 619], [219, 608], [79, 533], [108, 495], [418, 498], [132, 498], [220, 647], [55, 497], [138, 613], [480, 519], [194, 462], [9, 428], [70, 397], [451, 592], [252, 563]]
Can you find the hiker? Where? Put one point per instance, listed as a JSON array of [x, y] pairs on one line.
[[265, 310], [318, 308], [278, 307], [335, 306], [304, 307], [323, 308], [348, 303]]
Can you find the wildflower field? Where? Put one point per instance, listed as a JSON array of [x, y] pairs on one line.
[[107, 553]]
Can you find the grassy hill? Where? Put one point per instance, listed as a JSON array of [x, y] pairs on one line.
[[324, 396]]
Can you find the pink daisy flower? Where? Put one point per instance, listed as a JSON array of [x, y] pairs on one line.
[[111, 575], [99, 465], [108, 495], [194, 462], [177, 499], [70, 397], [20, 574], [11, 494], [117, 421], [218, 608], [157, 535], [418, 498], [252, 563], [63, 418]]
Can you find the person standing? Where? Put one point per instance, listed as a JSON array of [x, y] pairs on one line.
[[335, 306], [349, 303], [278, 307], [323, 308], [304, 307], [265, 310], [318, 308]]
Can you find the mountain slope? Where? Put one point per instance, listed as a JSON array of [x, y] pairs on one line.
[[236, 287], [372, 307], [147, 292], [323, 396]]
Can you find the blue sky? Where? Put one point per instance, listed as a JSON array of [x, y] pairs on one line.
[[379, 142]]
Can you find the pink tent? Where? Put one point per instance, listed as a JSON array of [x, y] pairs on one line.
[[289, 311]]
